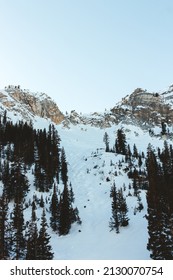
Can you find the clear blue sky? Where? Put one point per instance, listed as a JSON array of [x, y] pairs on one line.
[[86, 54]]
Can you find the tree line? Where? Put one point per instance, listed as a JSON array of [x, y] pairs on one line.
[[24, 152]]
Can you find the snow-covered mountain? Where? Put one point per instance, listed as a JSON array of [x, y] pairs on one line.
[[92, 171], [141, 108], [21, 104]]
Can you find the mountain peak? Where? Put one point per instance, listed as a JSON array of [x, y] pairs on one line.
[[26, 105]]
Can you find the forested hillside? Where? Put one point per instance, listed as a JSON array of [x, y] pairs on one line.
[[89, 193], [32, 161]]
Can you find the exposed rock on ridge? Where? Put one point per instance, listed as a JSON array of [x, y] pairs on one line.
[[28, 105], [145, 108], [140, 108]]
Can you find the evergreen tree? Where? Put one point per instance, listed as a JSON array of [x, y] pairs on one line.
[[135, 186], [159, 199], [32, 237], [119, 209], [65, 212], [140, 205], [114, 220], [140, 160], [44, 248], [163, 132], [106, 141], [4, 254], [135, 151], [55, 211], [120, 143], [122, 209], [18, 228], [64, 169]]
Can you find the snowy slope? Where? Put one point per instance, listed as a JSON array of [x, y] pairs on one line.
[[88, 168], [85, 150]]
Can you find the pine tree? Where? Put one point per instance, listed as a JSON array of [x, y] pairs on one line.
[[65, 212], [41, 201], [64, 169], [44, 247], [135, 186], [55, 211], [114, 220], [159, 199], [140, 160], [122, 209], [140, 204], [135, 151], [120, 143], [106, 141], [18, 228], [32, 237], [163, 132], [4, 254], [119, 209]]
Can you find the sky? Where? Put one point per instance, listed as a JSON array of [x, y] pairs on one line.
[[86, 54]]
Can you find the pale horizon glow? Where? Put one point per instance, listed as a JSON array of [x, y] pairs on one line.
[[86, 55]]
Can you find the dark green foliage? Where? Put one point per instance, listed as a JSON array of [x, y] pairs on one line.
[[18, 232], [160, 203], [22, 150], [25, 146], [140, 206], [44, 251], [32, 242], [120, 143], [15, 182], [135, 151], [119, 210], [106, 141], [32, 237], [65, 212], [4, 254], [122, 208], [55, 211], [47, 159], [140, 160], [114, 223], [64, 169], [63, 215], [41, 201], [163, 132]]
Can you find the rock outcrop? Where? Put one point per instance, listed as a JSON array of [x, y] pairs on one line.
[[145, 108], [27, 104], [141, 108]]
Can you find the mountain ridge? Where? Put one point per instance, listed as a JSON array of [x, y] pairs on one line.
[[141, 108], [26, 105]]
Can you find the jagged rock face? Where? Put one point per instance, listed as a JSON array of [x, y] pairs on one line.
[[141, 108], [29, 105], [146, 108]]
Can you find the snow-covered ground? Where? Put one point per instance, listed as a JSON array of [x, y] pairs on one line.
[[88, 168]]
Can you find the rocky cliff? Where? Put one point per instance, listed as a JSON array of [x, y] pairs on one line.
[[146, 108], [141, 107], [27, 105]]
